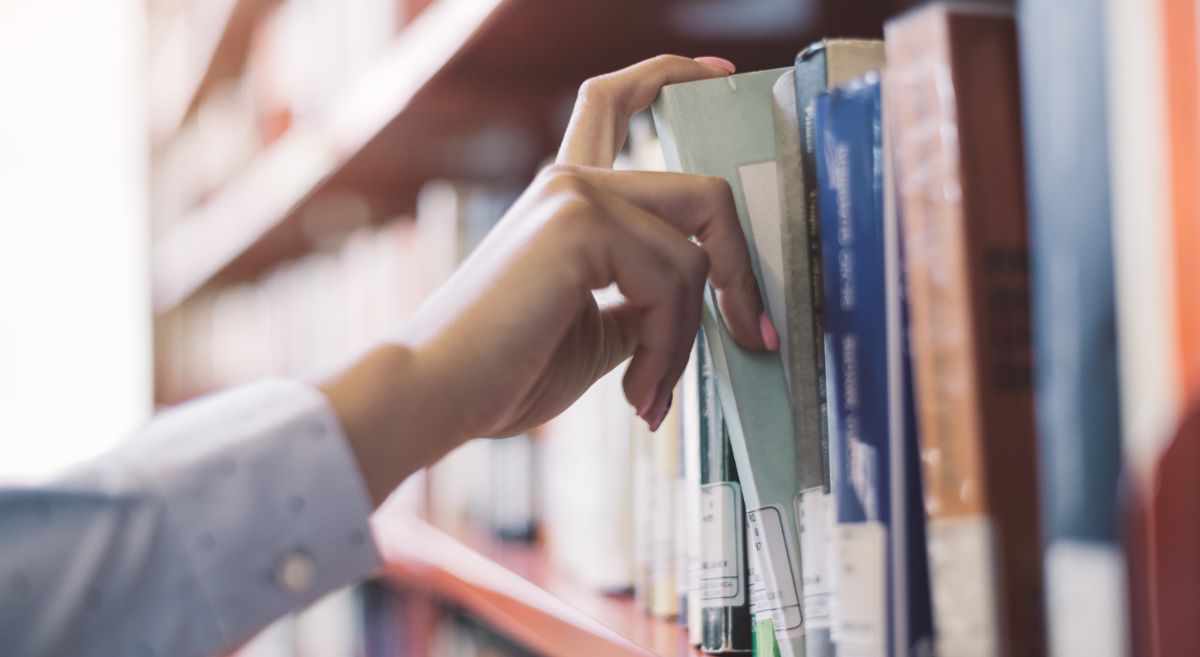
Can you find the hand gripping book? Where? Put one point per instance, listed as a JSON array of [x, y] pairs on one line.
[[955, 107], [1074, 324], [818, 67], [724, 127]]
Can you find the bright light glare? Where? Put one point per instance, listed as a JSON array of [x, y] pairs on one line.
[[75, 373]]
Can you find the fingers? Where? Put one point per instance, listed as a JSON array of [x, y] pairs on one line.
[[661, 275], [701, 207], [606, 103]]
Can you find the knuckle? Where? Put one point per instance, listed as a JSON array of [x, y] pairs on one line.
[[699, 264], [595, 89], [563, 179], [718, 188], [602, 91]]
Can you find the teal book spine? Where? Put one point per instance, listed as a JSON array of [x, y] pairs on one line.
[[724, 127]]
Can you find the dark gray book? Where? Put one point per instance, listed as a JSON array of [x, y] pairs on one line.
[[1074, 322]]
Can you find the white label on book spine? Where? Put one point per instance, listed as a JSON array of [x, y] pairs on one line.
[[1085, 582], [862, 576], [811, 519], [723, 559], [774, 589], [962, 568]]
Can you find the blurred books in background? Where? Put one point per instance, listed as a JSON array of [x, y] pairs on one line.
[[955, 452]]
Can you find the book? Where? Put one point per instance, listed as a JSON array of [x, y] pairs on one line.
[[718, 604], [848, 135], [1170, 541], [1074, 324], [911, 599], [820, 66], [956, 110], [884, 605], [724, 127], [1153, 130], [690, 543]]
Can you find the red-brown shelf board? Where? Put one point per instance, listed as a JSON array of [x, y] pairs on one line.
[[517, 590]]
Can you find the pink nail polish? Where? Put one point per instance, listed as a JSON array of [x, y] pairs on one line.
[[647, 405], [770, 337], [719, 62], [663, 414]]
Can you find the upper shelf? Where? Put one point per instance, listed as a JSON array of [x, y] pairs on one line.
[[179, 79], [474, 90], [514, 589]]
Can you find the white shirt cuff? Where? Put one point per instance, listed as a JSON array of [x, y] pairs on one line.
[[267, 497]]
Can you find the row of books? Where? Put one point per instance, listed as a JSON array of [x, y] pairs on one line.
[[931, 464], [300, 56], [949, 227]]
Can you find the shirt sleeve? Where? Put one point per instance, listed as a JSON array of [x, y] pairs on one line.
[[217, 518]]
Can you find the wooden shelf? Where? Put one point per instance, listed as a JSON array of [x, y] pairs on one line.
[[472, 89], [514, 589]]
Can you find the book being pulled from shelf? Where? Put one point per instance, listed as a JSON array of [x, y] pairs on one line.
[[725, 127]]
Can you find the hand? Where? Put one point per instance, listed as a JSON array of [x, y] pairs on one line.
[[516, 335]]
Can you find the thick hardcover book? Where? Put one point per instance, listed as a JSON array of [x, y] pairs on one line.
[[821, 66], [1074, 323], [885, 605], [724, 127], [955, 107]]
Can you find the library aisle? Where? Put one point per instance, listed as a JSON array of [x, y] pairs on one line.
[[973, 429]]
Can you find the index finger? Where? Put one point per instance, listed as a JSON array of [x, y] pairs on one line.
[[605, 104]]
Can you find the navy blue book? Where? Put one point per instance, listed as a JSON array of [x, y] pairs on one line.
[[882, 574], [849, 148], [1074, 323]]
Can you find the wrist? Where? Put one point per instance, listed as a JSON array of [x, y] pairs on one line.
[[392, 415]]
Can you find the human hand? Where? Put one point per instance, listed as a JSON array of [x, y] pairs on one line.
[[515, 336]]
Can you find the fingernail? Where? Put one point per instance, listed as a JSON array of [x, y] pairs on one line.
[[719, 62], [663, 415], [770, 337], [647, 405]]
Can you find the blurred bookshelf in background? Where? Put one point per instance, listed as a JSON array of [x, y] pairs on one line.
[[319, 167]]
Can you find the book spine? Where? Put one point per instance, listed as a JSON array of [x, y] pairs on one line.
[[692, 423], [911, 603], [849, 173], [1074, 324], [805, 376], [751, 385], [722, 571], [962, 200]]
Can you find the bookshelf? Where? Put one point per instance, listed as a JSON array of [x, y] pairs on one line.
[[467, 77], [476, 91], [178, 82], [515, 589]]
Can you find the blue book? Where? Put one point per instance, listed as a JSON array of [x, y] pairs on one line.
[[1074, 323], [882, 572], [849, 147]]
